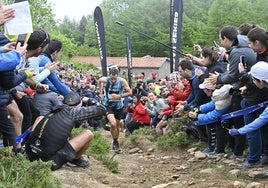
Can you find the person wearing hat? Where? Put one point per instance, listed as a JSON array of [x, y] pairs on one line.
[[50, 138], [259, 74], [140, 88], [211, 111]]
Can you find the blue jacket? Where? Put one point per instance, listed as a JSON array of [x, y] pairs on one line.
[[52, 80], [9, 60], [262, 120], [197, 96], [210, 113], [8, 77]]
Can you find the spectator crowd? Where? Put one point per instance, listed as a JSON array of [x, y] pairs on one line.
[[49, 99]]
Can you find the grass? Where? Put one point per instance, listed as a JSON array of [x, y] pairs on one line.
[[174, 137], [17, 171]]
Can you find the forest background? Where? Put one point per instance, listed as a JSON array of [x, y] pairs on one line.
[[202, 20]]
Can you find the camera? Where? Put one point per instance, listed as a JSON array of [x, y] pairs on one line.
[[226, 124], [139, 83], [234, 91]]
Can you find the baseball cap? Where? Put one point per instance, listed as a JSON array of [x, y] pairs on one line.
[[260, 71], [207, 85], [72, 99], [151, 81]]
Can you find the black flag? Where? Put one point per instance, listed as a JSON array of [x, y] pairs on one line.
[[129, 60], [99, 27], [176, 10]]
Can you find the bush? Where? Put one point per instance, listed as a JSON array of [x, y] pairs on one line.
[[169, 141], [147, 132], [174, 137], [17, 171]]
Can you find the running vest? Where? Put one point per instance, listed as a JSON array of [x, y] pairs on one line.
[[111, 88]]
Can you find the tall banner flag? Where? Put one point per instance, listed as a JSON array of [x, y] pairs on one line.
[[129, 60], [99, 27], [176, 10]]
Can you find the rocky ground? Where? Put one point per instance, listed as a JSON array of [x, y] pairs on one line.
[[145, 166]]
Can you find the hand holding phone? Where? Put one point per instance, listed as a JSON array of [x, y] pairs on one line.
[[242, 60], [21, 39]]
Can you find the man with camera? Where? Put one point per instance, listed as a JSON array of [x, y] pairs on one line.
[[50, 138], [140, 89], [115, 89], [140, 116]]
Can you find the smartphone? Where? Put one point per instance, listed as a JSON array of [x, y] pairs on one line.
[[242, 60], [215, 44], [21, 39]]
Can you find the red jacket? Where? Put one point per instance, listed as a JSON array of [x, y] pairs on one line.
[[172, 104], [140, 114], [182, 94]]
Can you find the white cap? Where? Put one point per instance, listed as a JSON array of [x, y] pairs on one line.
[[260, 71], [222, 97]]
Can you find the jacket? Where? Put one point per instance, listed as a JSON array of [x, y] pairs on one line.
[[52, 80], [8, 76], [182, 94], [9, 60], [240, 47], [262, 120], [53, 131], [219, 105], [140, 114], [197, 96]]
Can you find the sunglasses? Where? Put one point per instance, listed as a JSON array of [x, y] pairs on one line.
[[46, 40]]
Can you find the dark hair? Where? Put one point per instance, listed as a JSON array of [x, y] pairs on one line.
[[209, 52], [243, 29], [259, 34], [186, 64], [53, 46], [39, 38], [113, 71], [229, 32]]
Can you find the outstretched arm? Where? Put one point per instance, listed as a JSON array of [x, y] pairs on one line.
[[127, 90]]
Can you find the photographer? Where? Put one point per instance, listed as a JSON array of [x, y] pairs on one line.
[[50, 139], [140, 116], [140, 89]]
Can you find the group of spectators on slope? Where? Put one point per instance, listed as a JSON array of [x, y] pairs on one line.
[[38, 95]]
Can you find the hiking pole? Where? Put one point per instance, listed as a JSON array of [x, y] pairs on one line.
[[123, 25]]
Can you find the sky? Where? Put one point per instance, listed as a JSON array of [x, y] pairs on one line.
[[73, 9]]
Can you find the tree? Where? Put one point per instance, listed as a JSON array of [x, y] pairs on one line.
[[42, 16]]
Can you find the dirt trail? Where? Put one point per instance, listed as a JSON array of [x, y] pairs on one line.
[[146, 166]]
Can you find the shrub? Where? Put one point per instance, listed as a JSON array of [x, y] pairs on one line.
[[17, 171]]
